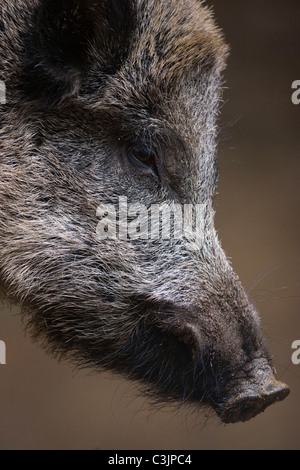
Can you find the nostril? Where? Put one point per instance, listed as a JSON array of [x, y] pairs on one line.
[[275, 389], [248, 404], [248, 409]]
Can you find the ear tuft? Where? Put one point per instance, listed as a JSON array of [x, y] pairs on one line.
[[59, 45]]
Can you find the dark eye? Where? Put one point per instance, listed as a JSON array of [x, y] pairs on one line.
[[144, 156]]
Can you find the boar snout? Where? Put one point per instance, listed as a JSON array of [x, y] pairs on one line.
[[207, 352], [252, 396]]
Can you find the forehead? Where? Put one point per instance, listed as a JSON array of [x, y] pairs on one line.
[[176, 52]]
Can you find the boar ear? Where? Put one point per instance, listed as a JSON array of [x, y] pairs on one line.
[[63, 34]]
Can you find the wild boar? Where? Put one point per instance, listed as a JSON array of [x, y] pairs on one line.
[[110, 99]]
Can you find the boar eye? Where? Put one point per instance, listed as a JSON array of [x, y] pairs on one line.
[[144, 156]]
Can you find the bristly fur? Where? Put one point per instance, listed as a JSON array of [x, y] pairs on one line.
[[88, 81]]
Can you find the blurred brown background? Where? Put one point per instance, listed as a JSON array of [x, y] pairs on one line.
[[46, 405]]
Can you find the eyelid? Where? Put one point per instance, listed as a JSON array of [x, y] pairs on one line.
[[150, 163], [147, 157]]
